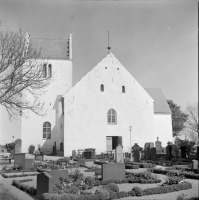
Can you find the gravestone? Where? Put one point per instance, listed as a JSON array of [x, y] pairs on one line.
[[158, 146], [195, 164], [119, 154], [73, 154], [183, 152], [147, 151], [18, 146], [136, 151], [151, 144], [169, 152], [24, 160], [47, 180], [153, 154], [113, 171]]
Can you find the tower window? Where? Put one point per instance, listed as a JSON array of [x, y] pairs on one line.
[[123, 89], [112, 117], [46, 130], [44, 71], [49, 70], [102, 88]]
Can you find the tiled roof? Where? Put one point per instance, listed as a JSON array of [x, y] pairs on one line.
[[160, 104], [50, 48]]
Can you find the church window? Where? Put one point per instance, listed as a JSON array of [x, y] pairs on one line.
[[112, 116], [44, 71], [46, 130], [49, 70], [102, 88], [123, 89]]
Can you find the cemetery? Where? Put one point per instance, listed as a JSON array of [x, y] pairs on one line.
[[116, 175]]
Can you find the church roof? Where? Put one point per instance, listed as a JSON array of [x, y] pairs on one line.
[[160, 104], [51, 48]]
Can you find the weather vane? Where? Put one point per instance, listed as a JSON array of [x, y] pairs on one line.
[[109, 48]]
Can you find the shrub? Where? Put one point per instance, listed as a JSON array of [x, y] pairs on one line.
[[131, 193], [90, 180], [122, 194], [47, 196], [138, 191], [32, 191], [97, 182], [111, 187], [103, 194], [112, 195], [31, 149], [67, 197]]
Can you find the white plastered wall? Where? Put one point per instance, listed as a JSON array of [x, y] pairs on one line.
[[163, 128], [32, 126], [86, 109]]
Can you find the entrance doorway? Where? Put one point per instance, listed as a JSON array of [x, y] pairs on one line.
[[112, 142]]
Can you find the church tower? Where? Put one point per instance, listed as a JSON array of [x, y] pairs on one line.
[[47, 131]]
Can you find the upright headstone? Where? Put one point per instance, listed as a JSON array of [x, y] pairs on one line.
[[73, 154], [183, 151], [158, 146], [119, 154], [153, 154], [151, 144], [147, 155], [18, 146], [136, 150], [169, 151], [194, 164]]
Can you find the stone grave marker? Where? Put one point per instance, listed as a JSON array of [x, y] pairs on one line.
[[183, 151], [113, 171], [158, 146], [194, 164], [147, 151], [18, 146], [136, 151], [169, 151], [151, 144], [119, 154], [73, 154], [153, 154], [47, 180]]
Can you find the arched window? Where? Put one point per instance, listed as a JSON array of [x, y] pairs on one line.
[[123, 89], [49, 70], [112, 116], [44, 71], [102, 88], [46, 130]]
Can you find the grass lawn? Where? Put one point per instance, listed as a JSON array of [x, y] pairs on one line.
[[5, 194]]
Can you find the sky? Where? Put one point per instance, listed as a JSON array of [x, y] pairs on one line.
[[156, 41]]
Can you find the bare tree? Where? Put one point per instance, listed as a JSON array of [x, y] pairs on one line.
[[192, 121], [21, 75]]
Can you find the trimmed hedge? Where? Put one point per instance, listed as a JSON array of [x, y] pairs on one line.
[[30, 190], [102, 194], [167, 189], [185, 174], [127, 166], [15, 175]]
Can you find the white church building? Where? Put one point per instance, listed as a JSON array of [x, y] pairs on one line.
[[98, 111]]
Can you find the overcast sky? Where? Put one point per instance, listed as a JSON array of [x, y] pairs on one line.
[[156, 41]]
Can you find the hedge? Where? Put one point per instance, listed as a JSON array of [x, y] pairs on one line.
[[185, 174], [102, 194], [167, 189], [28, 189], [15, 175], [131, 166]]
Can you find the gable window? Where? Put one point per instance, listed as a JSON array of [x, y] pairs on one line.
[[112, 116], [46, 130], [123, 89], [102, 88], [49, 70], [44, 71]]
